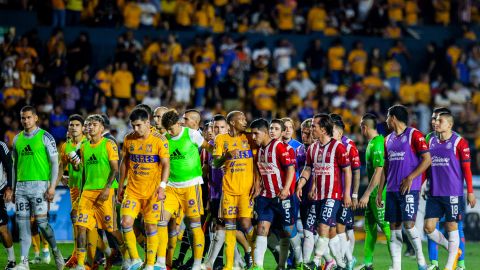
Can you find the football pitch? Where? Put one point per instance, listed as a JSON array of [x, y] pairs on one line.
[[381, 257]]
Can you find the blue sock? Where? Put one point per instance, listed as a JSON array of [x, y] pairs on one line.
[[462, 240], [433, 248]]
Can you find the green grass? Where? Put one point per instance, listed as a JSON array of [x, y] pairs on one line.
[[381, 258]]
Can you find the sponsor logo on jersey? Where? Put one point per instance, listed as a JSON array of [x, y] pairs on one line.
[[92, 160], [409, 199], [27, 151], [177, 155]]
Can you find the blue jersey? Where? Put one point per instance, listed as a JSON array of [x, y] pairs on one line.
[[295, 145]]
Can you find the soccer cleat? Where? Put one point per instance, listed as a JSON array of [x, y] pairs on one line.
[[330, 265], [158, 267], [36, 260], [46, 257], [365, 267], [114, 259], [433, 267], [310, 266], [80, 267], [59, 261], [125, 265], [136, 264], [248, 260], [422, 267], [206, 266], [71, 262], [10, 265], [459, 253], [23, 265], [149, 267], [351, 265]]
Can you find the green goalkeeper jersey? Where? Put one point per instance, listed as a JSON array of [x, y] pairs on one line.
[[375, 157]]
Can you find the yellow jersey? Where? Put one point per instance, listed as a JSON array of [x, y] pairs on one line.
[[358, 61], [143, 163], [316, 19], [335, 57], [238, 177]]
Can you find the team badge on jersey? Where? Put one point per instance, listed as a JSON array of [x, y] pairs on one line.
[[148, 148]]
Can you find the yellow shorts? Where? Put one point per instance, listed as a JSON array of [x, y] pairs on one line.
[[74, 197], [188, 200], [149, 208], [92, 213], [236, 206]]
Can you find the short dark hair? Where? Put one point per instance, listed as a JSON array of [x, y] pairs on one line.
[[146, 108], [259, 124], [325, 122], [370, 120], [219, 117], [230, 116], [76, 117], [170, 118], [337, 120], [28, 108], [400, 112], [139, 113], [106, 121], [280, 122], [441, 110]]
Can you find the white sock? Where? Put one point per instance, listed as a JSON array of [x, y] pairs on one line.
[[308, 244], [336, 248], [238, 259], [216, 246], [417, 245], [107, 251], [327, 255], [351, 240], [296, 243], [196, 263], [453, 244], [11, 254], [344, 244], [437, 237], [161, 261], [284, 247], [396, 242], [260, 248], [320, 246]]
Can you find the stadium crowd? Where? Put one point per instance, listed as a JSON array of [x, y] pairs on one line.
[[217, 72]]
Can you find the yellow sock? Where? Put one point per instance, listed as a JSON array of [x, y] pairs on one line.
[[198, 241], [44, 243], [230, 242], [131, 242], [152, 247], [162, 232], [81, 253], [36, 243], [92, 238], [172, 243]]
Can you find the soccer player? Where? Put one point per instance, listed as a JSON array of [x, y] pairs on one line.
[[157, 119], [374, 216], [345, 218], [145, 154], [6, 195], [284, 211], [450, 160], [432, 246], [34, 148], [183, 191], [69, 159], [327, 162], [407, 158], [216, 175], [234, 151], [99, 157]]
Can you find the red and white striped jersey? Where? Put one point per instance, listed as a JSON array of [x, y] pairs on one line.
[[293, 157], [327, 162], [273, 161]]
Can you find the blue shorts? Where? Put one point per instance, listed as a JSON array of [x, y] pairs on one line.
[[450, 207], [270, 209], [345, 217], [323, 212], [399, 208]]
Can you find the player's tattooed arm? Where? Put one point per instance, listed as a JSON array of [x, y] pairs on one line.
[[307, 171]]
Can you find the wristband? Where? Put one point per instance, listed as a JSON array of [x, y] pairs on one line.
[[163, 185], [303, 177], [354, 196]]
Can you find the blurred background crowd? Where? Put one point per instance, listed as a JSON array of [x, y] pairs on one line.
[[221, 68]]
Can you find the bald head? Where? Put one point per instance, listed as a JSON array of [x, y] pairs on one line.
[[192, 119]]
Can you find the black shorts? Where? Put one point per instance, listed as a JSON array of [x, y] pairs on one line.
[[214, 211], [3, 210]]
